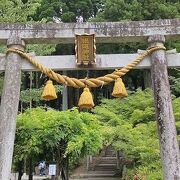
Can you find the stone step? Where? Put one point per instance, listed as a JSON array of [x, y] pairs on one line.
[[105, 168], [101, 168], [108, 161], [106, 165], [93, 175], [110, 155], [104, 157], [102, 172], [111, 163], [96, 179]]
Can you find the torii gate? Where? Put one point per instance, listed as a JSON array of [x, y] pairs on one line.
[[154, 32]]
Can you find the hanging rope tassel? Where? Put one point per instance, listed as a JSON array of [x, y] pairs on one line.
[[86, 99], [119, 89], [49, 92]]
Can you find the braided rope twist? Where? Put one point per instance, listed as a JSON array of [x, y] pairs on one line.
[[90, 82]]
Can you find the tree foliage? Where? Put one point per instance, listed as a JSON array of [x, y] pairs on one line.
[[40, 131], [134, 131], [17, 10], [67, 10], [118, 10]]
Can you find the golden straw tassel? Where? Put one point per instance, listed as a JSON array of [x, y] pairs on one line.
[[49, 92], [119, 89], [86, 99]]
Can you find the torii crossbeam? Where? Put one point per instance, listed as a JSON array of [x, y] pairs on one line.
[[103, 61], [106, 32], [153, 32]]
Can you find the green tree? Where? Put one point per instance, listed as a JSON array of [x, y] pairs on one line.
[[66, 136], [132, 127], [17, 10], [68, 11], [118, 10]]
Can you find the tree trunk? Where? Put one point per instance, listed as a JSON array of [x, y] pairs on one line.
[[30, 169], [61, 162], [147, 78], [20, 169], [70, 100], [67, 168], [65, 95], [58, 166]]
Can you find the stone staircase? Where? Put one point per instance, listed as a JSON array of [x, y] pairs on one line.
[[103, 167]]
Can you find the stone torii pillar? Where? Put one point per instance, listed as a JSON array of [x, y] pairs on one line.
[[169, 148], [9, 107]]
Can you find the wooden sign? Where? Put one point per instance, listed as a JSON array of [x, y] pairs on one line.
[[85, 49]]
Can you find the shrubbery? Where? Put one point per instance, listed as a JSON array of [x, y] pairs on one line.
[[132, 128]]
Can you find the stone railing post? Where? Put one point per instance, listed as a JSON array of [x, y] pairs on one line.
[[9, 107], [169, 148]]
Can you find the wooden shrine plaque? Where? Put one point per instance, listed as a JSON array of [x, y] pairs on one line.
[[85, 49]]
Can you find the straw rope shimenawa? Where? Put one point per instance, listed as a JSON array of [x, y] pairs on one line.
[[91, 82]]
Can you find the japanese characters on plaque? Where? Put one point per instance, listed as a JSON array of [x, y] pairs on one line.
[[85, 49]]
